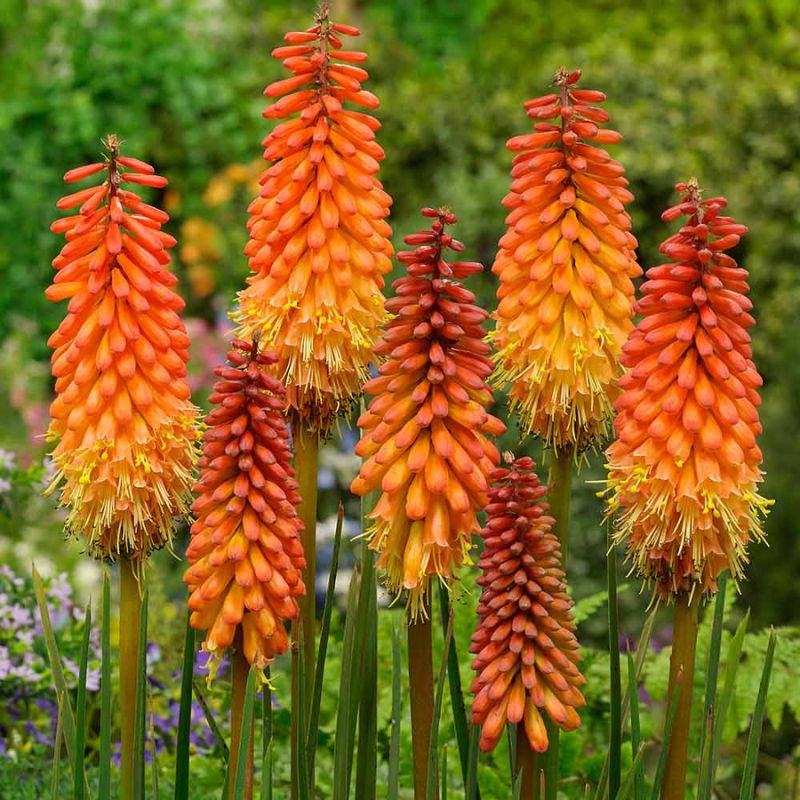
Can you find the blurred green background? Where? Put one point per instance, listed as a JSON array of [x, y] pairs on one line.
[[706, 89]]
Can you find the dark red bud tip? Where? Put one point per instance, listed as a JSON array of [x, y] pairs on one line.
[[430, 212], [573, 77]]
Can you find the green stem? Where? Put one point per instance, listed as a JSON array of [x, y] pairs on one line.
[[240, 669], [306, 458], [130, 604], [420, 675], [681, 664], [526, 765], [560, 483]]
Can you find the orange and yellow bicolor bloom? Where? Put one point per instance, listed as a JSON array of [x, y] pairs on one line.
[[319, 240], [245, 551], [426, 434], [526, 653], [565, 266], [122, 417], [684, 472]]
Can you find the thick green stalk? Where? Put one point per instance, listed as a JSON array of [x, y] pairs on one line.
[[558, 497], [420, 675], [130, 603], [306, 459], [526, 765], [681, 663], [240, 670]]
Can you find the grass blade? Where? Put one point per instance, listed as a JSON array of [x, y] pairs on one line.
[[247, 727], [55, 786], [184, 716], [636, 746], [709, 705], [105, 691], [153, 752], [141, 715], [433, 754], [639, 659], [303, 776], [662, 756], [629, 784], [79, 771], [322, 651], [348, 704], [456, 693], [731, 669], [443, 789], [615, 706], [397, 712], [56, 668], [367, 753], [266, 739], [220, 745], [754, 739], [472, 765]]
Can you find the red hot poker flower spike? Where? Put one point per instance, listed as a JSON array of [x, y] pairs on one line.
[[319, 240], [245, 551], [685, 469], [122, 417], [426, 432], [526, 653], [565, 265]]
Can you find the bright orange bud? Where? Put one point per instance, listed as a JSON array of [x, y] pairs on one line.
[[526, 653], [426, 432], [245, 551], [319, 241], [685, 469], [565, 266], [122, 416]]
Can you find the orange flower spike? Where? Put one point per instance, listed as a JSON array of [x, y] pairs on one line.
[[526, 653], [426, 434], [684, 472], [565, 267], [245, 553], [122, 416], [319, 240]]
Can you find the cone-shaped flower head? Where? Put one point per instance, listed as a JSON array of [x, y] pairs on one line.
[[526, 653], [122, 417], [565, 266], [684, 471], [319, 241], [245, 551], [426, 432]]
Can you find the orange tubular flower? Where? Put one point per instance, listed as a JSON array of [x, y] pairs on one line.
[[526, 650], [425, 432], [319, 241], [565, 266], [122, 416], [685, 469], [245, 550]]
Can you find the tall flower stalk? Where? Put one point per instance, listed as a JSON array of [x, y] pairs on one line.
[[684, 472], [245, 552], [122, 419], [426, 441], [526, 653], [565, 299], [319, 247]]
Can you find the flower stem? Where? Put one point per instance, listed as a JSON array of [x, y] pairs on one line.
[[420, 676], [130, 607], [306, 458], [240, 669], [681, 666], [527, 766], [559, 496]]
